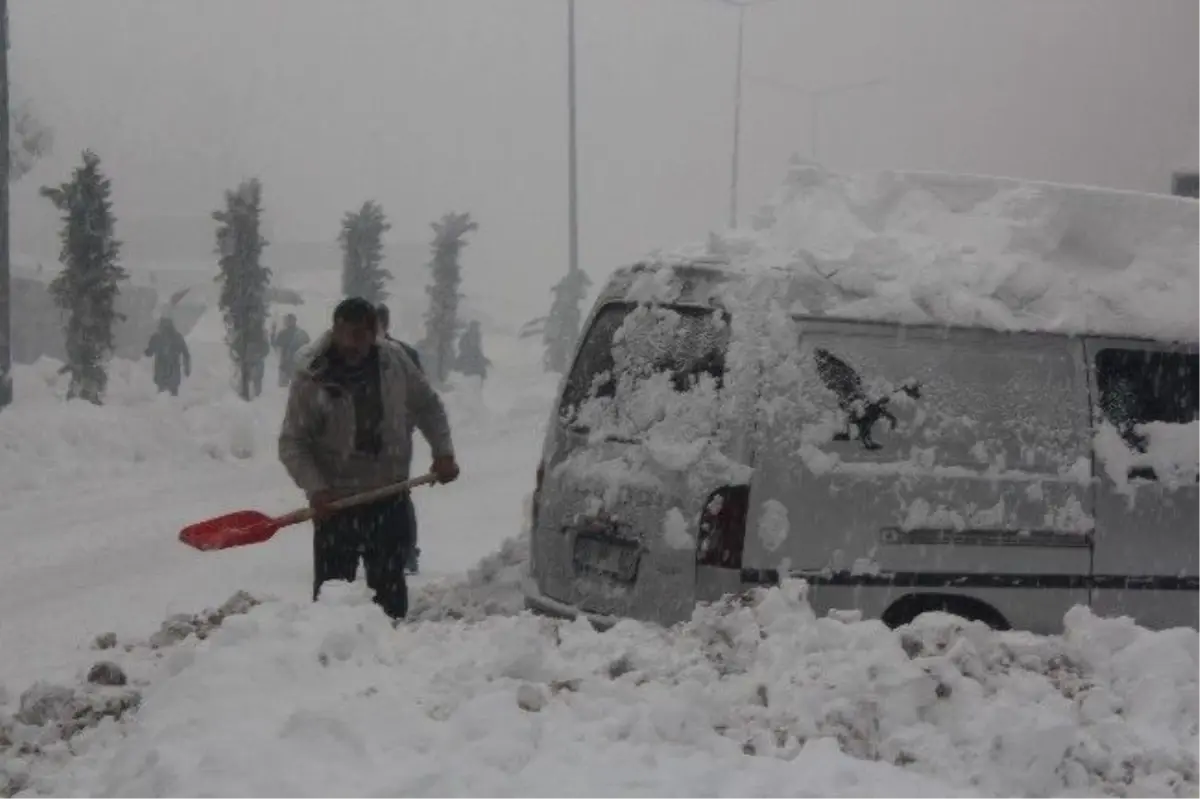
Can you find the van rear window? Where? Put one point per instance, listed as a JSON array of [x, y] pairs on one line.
[[640, 341]]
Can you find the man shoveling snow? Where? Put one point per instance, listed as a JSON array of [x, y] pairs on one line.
[[348, 429]]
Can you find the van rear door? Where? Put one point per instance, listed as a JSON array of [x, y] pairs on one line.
[[982, 487], [623, 483]]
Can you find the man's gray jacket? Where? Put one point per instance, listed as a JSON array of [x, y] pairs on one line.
[[316, 441]]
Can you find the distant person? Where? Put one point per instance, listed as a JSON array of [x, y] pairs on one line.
[[471, 360], [259, 349], [289, 342], [384, 317], [385, 322], [172, 361], [346, 430]]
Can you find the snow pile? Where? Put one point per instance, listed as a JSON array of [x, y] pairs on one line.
[[47, 441], [494, 587], [1171, 456], [48, 717], [751, 697], [668, 404], [958, 249]]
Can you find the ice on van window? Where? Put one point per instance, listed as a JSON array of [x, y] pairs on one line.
[[627, 346], [645, 402], [936, 404], [659, 340]]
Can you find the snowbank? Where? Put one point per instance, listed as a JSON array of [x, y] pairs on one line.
[[751, 697], [494, 587], [961, 249], [47, 442]]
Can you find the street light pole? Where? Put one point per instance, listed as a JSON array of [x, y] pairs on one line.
[[735, 158], [572, 173], [6, 389], [737, 120]]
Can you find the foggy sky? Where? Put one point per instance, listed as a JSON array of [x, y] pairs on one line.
[[436, 105]]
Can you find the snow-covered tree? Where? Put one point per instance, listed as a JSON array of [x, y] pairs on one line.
[[28, 140], [561, 328], [87, 287], [441, 320], [244, 281], [361, 238]]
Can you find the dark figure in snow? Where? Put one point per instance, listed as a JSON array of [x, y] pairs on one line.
[[412, 563], [385, 322], [471, 360], [258, 364], [172, 361], [861, 412], [348, 428], [288, 341]]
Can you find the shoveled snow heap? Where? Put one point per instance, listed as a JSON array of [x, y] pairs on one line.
[[755, 697], [960, 249]]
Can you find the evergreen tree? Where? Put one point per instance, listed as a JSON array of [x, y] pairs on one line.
[[561, 328], [87, 287], [28, 141], [244, 282], [361, 238], [441, 320]]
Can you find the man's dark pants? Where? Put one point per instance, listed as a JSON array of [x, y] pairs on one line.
[[381, 534], [414, 551]]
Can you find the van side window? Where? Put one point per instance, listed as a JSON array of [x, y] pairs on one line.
[[634, 341], [1141, 386], [961, 399]]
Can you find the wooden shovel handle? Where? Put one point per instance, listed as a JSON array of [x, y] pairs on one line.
[[354, 500]]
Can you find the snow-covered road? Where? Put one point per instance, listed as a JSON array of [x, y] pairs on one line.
[[91, 505]]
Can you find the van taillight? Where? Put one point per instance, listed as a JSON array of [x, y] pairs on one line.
[[723, 527]]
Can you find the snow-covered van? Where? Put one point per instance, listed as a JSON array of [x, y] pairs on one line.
[[715, 434], [1003, 476]]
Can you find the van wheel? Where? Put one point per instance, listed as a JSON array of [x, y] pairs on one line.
[[908, 607]]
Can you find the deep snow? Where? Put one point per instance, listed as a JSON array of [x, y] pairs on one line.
[[754, 696], [751, 698], [974, 250], [92, 498]]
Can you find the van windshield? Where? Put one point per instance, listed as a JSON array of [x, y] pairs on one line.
[[637, 342]]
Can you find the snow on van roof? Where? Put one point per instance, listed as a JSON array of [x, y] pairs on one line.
[[920, 247]]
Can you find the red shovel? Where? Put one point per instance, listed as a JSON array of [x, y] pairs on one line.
[[244, 527]]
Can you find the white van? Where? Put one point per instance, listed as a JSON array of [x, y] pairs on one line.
[[1004, 477]]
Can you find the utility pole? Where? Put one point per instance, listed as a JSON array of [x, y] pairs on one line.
[[736, 157], [737, 120], [572, 173], [6, 387]]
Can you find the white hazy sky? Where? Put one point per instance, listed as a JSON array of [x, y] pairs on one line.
[[433, 105]]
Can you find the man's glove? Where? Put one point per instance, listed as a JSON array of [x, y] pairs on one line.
[[445, 469]]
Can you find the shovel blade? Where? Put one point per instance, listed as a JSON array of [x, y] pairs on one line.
[[238, 529]]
